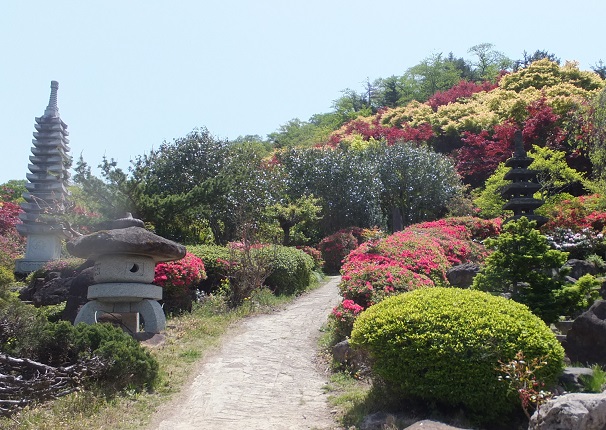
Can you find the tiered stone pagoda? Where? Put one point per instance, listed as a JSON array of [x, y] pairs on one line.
[[47, 189], [523, 186], [125, 257]]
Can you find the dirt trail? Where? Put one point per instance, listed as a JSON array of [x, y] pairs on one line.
[[263, 376]]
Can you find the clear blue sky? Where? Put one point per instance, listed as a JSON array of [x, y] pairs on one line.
[[133, 73]]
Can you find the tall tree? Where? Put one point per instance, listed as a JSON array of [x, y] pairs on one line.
[[489, 62], [433, 74], [417, 183]]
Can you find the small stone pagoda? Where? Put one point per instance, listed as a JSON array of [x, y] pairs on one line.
[[46, 189], [523, 186], [125, 257]]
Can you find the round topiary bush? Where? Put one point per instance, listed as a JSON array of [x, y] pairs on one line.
[[291, 270], [445, 345]]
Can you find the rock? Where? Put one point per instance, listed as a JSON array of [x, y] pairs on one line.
[[586, 340], [603, 288], [377, 421], [462, 275], [78, 293], [52, 292], [579, 268], [431, 425], [27, 292], [571, 378], [576, 411], [345, 355]]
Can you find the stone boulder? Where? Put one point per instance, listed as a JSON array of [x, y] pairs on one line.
[[462, 275], [52, 292], [586, 340], [579, 268], [570, 379], [576, 411], [345, 355], [78, 293]]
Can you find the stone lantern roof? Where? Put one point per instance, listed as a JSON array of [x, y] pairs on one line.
[[130, 240]]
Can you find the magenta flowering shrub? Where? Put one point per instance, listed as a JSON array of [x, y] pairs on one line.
[[179, 280], [344, 316], [334, 248], [416, 257], [368, 280]]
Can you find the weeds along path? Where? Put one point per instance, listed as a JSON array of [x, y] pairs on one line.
[[264, 375]]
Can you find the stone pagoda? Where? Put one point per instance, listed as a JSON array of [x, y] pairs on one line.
[[125, 257], [520, 191], [46, 189]]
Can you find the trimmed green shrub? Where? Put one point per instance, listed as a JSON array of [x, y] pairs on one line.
[[67, 267], [291, 270], [129, 365], [214, 257], [445, 345], [25, 333]]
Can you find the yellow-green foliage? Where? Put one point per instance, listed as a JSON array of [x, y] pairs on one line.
[[6, 276], [413, 114], [445, 345], [545, 73], [564, 87]]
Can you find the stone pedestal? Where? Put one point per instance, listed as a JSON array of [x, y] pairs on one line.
[[40, 249]]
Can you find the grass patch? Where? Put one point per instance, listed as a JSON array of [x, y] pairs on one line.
[[189, 337], [594, 383]]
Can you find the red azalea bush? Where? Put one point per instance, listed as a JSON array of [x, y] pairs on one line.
[[337, 246], [179, 280], [576, 214], [416, 251], [460, 237]]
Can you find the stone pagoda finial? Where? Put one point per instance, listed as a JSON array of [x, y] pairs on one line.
[[46, 189], [52, 110], [520, 152]]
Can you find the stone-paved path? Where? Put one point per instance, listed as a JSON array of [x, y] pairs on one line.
[[263, 376]]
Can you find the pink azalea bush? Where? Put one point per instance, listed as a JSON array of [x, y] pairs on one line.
[[179, 280], [417, 257], [344, 316]]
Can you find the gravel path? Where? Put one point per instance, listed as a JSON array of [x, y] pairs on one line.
[[264, 375]]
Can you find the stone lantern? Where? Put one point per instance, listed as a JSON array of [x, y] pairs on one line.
[[125, 259]]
